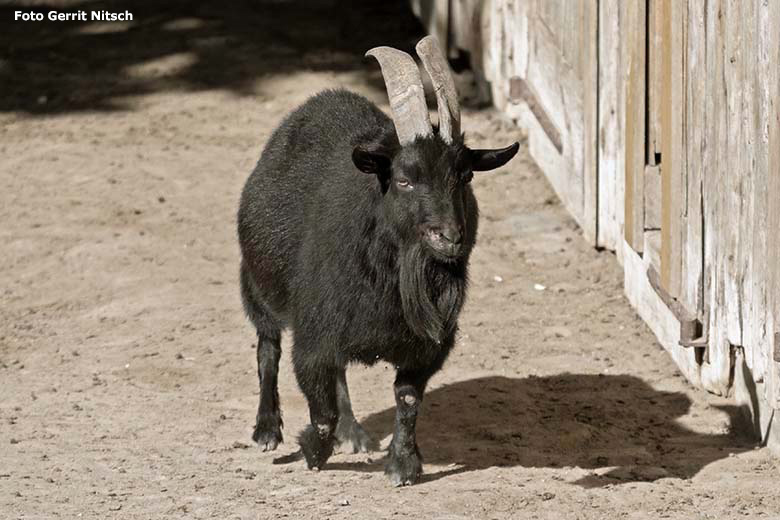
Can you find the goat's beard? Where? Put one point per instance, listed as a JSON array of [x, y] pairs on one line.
[[432, 293]]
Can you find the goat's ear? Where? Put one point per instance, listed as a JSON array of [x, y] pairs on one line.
[[372, 158], [484, 160]]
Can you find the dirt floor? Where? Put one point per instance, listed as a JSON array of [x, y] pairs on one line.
[[127, 375]]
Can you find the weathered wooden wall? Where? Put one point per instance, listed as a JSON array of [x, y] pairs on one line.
[[540, 61], [657, 123]]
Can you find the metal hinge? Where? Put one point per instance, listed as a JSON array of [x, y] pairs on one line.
[[692, 330]]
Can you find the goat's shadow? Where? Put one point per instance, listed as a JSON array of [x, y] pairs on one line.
[[585, 420]]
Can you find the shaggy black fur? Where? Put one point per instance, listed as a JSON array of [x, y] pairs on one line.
[[362, 267]]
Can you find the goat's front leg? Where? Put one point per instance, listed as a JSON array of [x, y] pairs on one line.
[[405, 464]]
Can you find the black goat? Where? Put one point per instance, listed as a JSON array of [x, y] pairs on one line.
[[362, 267]]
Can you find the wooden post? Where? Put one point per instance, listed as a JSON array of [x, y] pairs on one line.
[[673, 158], [655, 79], [636, 27], [773, 232]]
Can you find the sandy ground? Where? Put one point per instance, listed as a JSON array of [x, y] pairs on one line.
[[127, 375]]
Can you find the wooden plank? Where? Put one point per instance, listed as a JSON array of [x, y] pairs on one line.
[[718, 218], [507, 57], [673, 155], [654, 79], [753, 69], [588, 63], [520, 37], [611, 118], [652, 194], [635, 125], [461, 25], [463, 29], [494, 39], [758, 335], [694, 141], [730, 163], [467, 30], [434, 15], [773, 200], [652, 250]]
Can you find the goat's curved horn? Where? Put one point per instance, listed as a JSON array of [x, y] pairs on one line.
[[405, 90], [446, 96]]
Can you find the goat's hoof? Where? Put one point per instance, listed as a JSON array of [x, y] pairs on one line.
[[268, 432], [352, 438], [316, 447], [404, 470]]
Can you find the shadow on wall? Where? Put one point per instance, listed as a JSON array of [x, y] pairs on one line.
[[54, 67], [590, 421]]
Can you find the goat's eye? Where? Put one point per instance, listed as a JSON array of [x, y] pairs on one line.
[[468, 176], [404, 184]]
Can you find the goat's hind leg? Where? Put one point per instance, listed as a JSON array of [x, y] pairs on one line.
[[268, 424], [349, 434]]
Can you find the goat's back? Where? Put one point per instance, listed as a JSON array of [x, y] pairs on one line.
[[306, 185]]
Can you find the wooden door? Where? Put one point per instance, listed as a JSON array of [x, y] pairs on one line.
[[708, 84], [663, 219]]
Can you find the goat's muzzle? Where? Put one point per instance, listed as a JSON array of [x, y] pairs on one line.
[[445, 240]]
